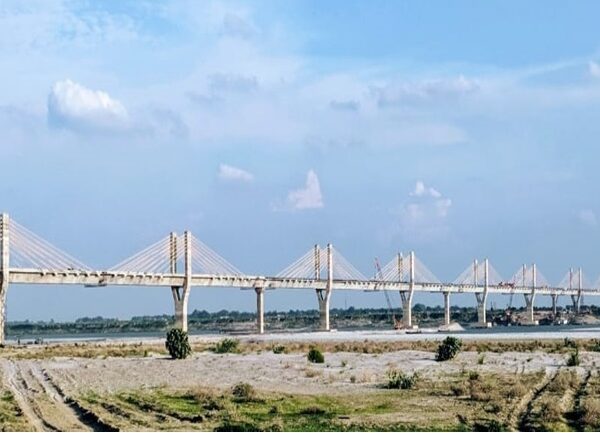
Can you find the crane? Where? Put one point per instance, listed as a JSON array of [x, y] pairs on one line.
[[379, 276]]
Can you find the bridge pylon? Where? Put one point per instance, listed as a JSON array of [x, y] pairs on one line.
[[407, 297], [181, 295], [4, 271], [324, 295]]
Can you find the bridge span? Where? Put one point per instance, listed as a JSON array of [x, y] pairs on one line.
[[182, 262]]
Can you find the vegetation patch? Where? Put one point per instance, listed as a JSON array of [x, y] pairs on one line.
[[227, 345], [177, 344], [315, 356], [396, 379], [448, 349]]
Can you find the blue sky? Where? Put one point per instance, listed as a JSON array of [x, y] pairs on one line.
[[458, 129]]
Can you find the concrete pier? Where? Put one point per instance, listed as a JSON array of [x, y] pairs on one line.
[[554, 302], [407, 297], [482, 297], [181, 294], [324, 295], [260, 309], [446, 308]]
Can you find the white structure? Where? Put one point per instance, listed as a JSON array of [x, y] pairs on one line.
[[28, 259]]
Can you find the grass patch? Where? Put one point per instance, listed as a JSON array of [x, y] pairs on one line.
[[429, 404]]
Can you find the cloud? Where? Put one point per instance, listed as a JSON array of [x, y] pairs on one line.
[[233, 174], [344, 105], [588, 217], [73, 106], [235, 25], [235, 83], [422, 191], [594, 69], [439, 90], [423, 216], [309, 197]]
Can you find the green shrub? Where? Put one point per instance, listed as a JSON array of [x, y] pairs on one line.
[[573, 360], [595, 345], [315, 356], [243, 392], [279, 348], [481, 359], [399, 380], [177, 344], [227, 345], [569, 342], [448, 349]]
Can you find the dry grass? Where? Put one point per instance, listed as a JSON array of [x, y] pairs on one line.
[[429, 405], [95, 350]]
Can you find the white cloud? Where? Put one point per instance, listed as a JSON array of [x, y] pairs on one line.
[[309, 197], [71, 105], [424, 91], [230, 173], [422, 191], [588, 217], [594, 69], [423, 216]]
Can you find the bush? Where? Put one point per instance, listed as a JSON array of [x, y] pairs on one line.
[[573, 360], [315, 356], [177, 344], [278, 349], [448, 349], [399, 380], [243, 392], [227, 345], [591, 412]]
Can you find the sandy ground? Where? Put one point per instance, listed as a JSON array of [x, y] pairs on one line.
[[341, 373], [42, 386]]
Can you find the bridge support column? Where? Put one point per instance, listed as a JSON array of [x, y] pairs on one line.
[[529, 299], [407, 297], [446, 308], [324, 295], [260, 309], [482, 297], [576, 299], [181, 295], [554, 302], [4, 271]]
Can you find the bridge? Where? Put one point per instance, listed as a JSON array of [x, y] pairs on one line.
[[180, 262]]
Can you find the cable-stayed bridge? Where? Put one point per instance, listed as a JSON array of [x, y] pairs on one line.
[[181, 262]]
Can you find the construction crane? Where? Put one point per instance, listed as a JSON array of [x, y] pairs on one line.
[[379, 276]]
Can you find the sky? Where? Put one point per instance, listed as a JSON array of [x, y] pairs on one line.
[[459, 130]]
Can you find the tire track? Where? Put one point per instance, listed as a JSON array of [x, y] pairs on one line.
[[43, 401], [525, 407]]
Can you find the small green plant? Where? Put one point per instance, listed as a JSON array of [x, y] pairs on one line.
[[178, 344], [400, 380], [569, 342], [473, 375], [353, 379], [243, 392], [448, 349], [279, 349], [344, 363], [481, 359], [227, 345], [573, 360], [315, 356], [595, 345]]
